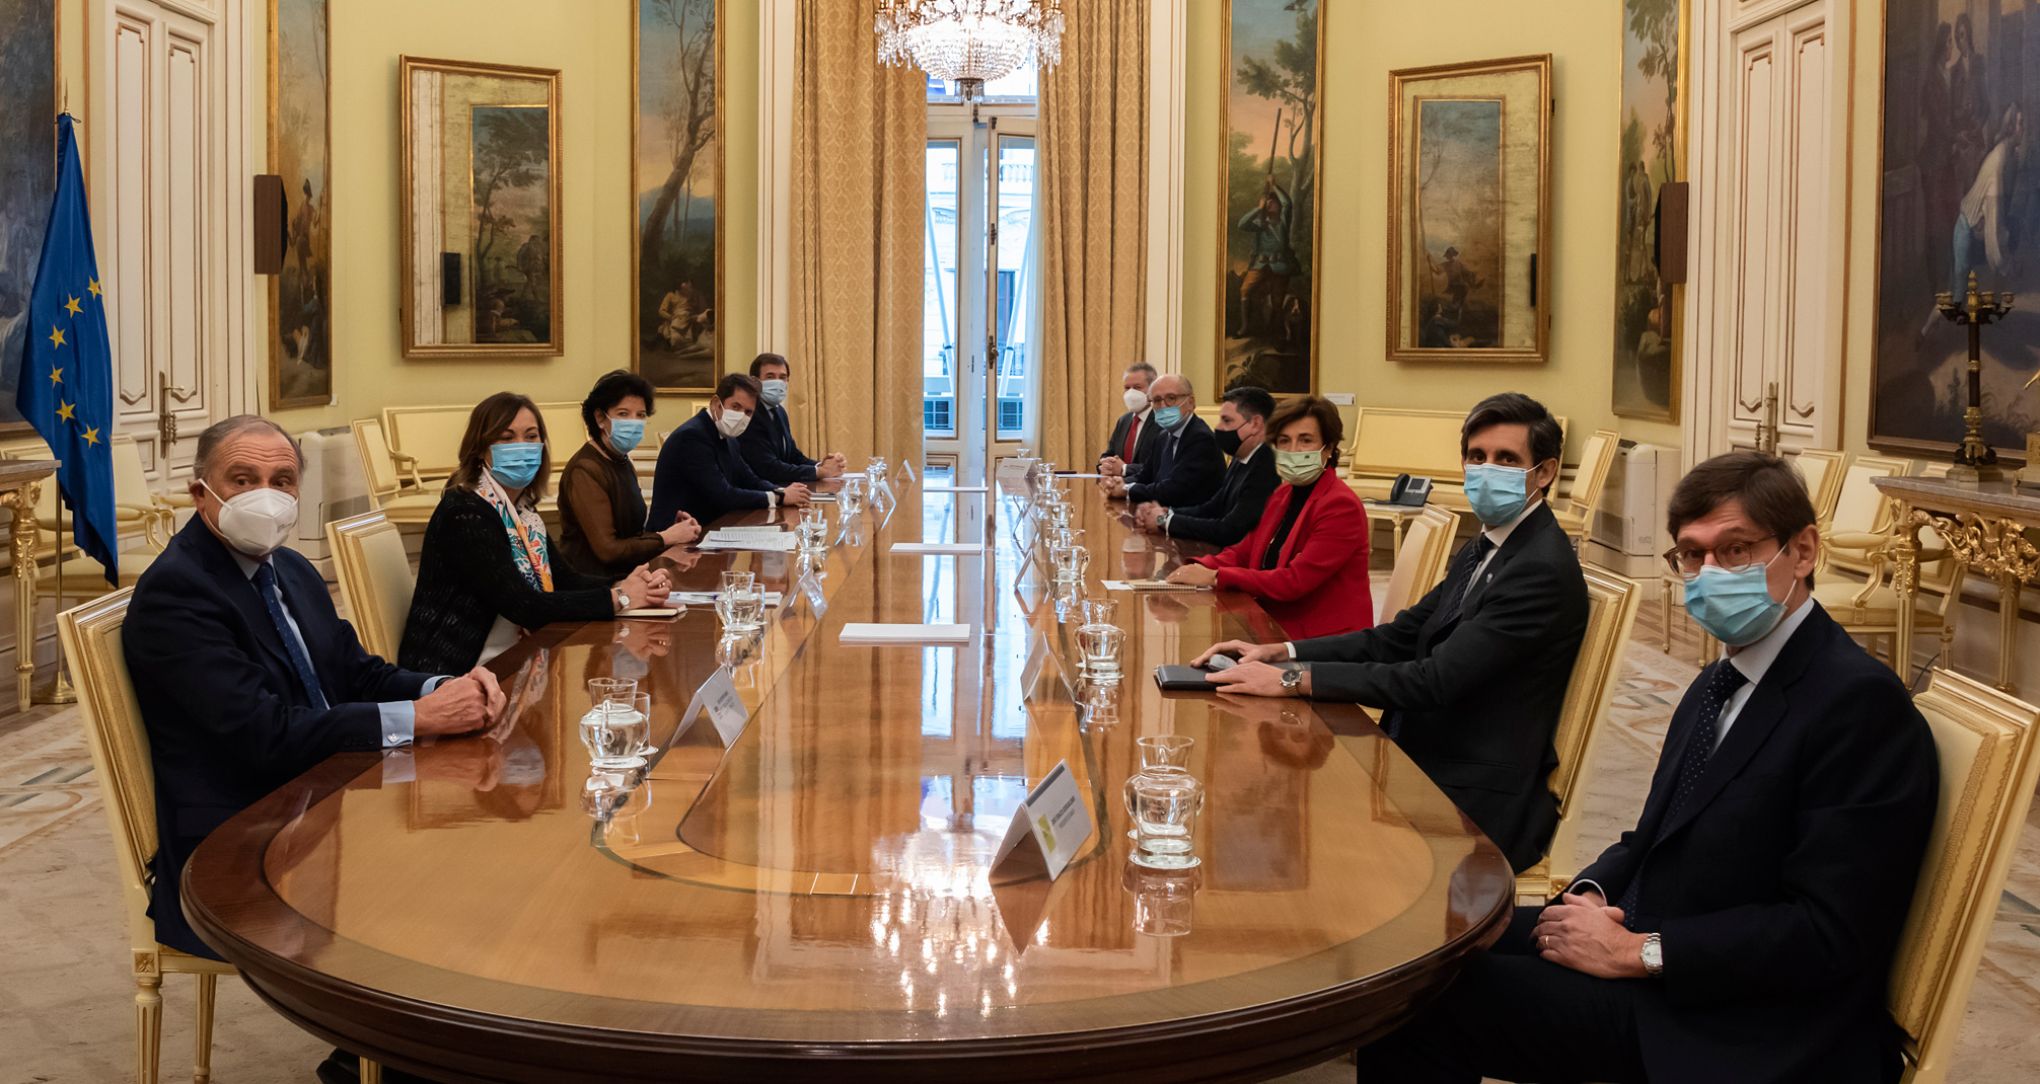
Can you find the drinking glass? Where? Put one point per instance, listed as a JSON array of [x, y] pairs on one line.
[[1163, 900], [1159, 753], [610, 688], [1100, 645], [1101, 705], [1165, 809], [851, 500], [746, 609], [614, 732], [1099, 610], [1070, 560], [732, 580], [812, 533]]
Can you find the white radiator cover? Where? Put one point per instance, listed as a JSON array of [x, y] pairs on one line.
[[334, 487], [1628, 530]]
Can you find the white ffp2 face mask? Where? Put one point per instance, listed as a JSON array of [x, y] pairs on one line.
[[256, 521], [732, 423]]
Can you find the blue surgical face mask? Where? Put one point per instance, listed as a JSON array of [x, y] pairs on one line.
[[1735, 607], [775, 391], [626, 433], [1168, 417], [515, 463], [1496, 494]]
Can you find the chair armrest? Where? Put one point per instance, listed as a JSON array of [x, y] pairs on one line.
[[407, 464], [1858, 541]]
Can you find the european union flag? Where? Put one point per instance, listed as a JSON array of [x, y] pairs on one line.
[[67, 369]]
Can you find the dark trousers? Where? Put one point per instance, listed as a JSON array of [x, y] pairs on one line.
[[1513, 1016]]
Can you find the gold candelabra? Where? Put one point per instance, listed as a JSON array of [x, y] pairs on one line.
[[1975, 460]]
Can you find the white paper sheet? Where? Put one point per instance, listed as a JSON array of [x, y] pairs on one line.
[[937, 549], [707, 598], [1149, 585], [954, 489], [860, 632]]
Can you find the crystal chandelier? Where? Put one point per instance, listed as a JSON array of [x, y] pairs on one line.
[[970, 41]]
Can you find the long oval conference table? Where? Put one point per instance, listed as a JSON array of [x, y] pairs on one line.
[[817, 900]]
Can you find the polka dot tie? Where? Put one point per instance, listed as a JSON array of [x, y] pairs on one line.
[[1721, 682]]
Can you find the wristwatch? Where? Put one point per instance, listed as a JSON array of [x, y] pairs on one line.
[[1292, 680], [1653, 955], [1167, 515], [622, 602]]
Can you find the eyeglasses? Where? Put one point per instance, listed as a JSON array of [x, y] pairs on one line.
[[1735, 556], [1170, 400]]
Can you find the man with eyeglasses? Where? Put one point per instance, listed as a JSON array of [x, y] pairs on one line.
[[1471, 679], [1186, 466], [1744, 929]]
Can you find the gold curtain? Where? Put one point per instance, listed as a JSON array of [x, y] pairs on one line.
[[859, 155], [1093, 223]]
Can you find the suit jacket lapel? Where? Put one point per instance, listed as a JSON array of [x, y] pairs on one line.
[[1539, 519], [238, 589]]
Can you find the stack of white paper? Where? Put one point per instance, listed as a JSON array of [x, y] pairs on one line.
[[707, 598], [958, 549], [952, 489], [876, 633], [774, 541]]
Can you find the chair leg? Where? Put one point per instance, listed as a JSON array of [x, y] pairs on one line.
[[1665, 607], [201, 1072], [371, 1072], [148, 1023]]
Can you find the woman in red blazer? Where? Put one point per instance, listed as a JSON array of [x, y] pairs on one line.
[[1306, 561]]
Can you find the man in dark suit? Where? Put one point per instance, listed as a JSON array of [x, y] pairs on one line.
[[767, 444], [245, 675], [702, 472], [1759, 899], [1133, 438], [1231, 513], [1472, 677], [1185, 466]]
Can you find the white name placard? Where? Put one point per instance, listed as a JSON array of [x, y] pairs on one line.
[[1049, 825], [726, 711]]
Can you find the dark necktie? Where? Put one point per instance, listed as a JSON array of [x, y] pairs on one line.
[[1722, 680], [1461, 579], [265, 583], [785, 432]]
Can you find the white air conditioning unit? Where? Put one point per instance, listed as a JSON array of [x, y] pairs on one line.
[[334, 487], [1628, 530]]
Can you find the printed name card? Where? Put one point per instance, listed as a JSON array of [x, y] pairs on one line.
[[1047, 828], [726, 711]]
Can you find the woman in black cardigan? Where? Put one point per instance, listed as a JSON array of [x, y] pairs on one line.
[[487, 568]]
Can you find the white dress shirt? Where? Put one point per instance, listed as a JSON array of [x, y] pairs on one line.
[[1754, 660]]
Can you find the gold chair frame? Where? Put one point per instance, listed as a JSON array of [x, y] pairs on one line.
[[1590, 481], [1425, 559], [1612, 602], [1989, 768], [120, 755], [348, 539]]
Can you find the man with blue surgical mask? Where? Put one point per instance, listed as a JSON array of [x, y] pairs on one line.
[[1744, 929], [767, 444], [1185, 466], [1471, 679]]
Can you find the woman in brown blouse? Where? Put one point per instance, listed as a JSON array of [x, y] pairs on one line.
[[602, 506]]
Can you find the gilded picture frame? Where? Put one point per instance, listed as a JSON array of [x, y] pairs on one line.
[[301, 295], [1490, 122], [508, 301], [1269, 272], [667, 323], [1651, 107]]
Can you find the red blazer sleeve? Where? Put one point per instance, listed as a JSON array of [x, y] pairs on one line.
[[1335, 529]]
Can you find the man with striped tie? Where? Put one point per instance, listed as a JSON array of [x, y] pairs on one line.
[[1471, 679], [1744, 929]]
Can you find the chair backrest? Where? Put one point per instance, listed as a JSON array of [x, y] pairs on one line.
[[1395, 440], [375, 579], [1612, 602], [130, 479], [120, 747], [1597, 455], [1420, 562], [1985, 743], [376, 464], [428, 434], [1821, 470], [1860, 507]]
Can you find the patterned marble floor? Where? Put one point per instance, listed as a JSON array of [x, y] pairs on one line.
[[65, 1003]]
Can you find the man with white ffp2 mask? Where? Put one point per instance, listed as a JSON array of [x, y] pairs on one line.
[[701, 469], [768, 445], [1133, 435], [245, 674]]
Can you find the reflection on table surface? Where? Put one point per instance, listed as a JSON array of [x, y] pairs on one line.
[[826, 876]]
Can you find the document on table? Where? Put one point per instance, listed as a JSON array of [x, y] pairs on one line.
[[954, 489], [937, 549], [822, 498], [707, 598], [777, 541], [1075, 474], [647, 612], [861, 632], [1149, 585]]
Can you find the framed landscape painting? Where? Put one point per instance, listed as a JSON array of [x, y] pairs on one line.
[[1955, 196], [28, 175], [1268, 210], [1653, 142], [676, 189], [301, 295], [1469, 211]]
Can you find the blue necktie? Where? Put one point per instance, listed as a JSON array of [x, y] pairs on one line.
[[265, 583], [1723, 679]]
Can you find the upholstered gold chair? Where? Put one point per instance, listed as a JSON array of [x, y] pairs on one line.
[[1612, 602], [1858, 527], [1420, 561], [1989, 767], [1597, 456], [120, 756], [1869, 610], [401, 502], [1821, 470], [375, 579]]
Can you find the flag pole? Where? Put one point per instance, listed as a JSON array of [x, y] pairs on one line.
[[59, 690]]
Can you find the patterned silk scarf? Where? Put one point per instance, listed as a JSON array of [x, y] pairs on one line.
[[526, 531]]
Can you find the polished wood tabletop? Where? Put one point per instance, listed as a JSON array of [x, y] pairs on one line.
[[817, 900]]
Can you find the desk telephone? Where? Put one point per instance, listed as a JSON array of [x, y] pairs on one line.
[[1410, 491]]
